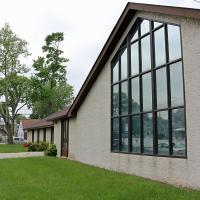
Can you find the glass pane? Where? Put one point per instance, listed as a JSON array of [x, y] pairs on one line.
[[161, 88], [115, 71], [156, 24], [124, 98], [163, 134], [147, 92], [124, 70], [136, 134], [146, 57], [134, 35], [148, 133], [124, 133], [176, 78], [174, 39], [135, 91], [134, 59], [115, 100], [178, 132], [144, 27], [115, 134], [160, 56]]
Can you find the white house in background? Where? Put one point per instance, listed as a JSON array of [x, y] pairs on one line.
[[20, 132]]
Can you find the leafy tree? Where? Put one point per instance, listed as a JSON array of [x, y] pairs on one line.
[[12, 87], [50, 90], [16, 88]]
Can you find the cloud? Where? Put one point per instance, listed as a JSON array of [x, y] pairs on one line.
[[86, 25]]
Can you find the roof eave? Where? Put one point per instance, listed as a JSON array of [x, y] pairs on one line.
[[39, 127]]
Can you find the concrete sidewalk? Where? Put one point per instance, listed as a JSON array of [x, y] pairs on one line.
[[21, 155]]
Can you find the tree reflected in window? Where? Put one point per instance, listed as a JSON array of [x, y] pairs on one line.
[[148, 107]]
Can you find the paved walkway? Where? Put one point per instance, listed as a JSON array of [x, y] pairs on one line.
[[21, 155]]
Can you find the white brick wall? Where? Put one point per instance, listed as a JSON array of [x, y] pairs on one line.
[[57, 136], [48, 135], [89, 132]]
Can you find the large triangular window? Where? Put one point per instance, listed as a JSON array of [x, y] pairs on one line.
[[148, 106]]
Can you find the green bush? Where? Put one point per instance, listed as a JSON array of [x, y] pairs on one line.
[[1, 139], [32, 147], [42, 146], [51, 150]]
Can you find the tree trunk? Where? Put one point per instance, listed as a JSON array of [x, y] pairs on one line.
[[9, 133], [13, 124]]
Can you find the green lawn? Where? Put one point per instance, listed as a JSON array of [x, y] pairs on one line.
[[56, 179], [11, 148]]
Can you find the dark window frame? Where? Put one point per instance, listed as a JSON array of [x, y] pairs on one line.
[[38, 135], [44, 135], [52, 135], [127, 44], [32, 135]]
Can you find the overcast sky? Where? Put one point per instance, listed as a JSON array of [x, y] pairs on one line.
[[85, 23]]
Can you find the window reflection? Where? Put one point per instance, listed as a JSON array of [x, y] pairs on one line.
[[124, 133], [115, 71], [124, 98], [147, 92], [176, 78], [148, 133], [115, 135], [156, 24], [135, 101], [178, 132], [144, 27], [174, 40], [161, 88], [146, 57], [144, 73], [134, 35], [134, 59], [115, 100], [160, 56], [136, 134], [163, 135], [124, 70]]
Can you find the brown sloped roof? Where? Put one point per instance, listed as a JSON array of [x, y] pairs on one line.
[[58, 115], [41, 123], [26, 123], [114, 38]]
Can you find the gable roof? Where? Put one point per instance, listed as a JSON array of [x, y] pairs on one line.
[[58, 115], [40, 123], [26, 123], [114, 38]]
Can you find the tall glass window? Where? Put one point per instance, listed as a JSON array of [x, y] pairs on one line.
[[148, 106]]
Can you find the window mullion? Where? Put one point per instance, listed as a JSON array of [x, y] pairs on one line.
[[120, 135], [129, 100], [141, 93], [153, 80], [168, 93]]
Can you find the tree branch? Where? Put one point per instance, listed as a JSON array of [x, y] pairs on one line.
[[20, 108]]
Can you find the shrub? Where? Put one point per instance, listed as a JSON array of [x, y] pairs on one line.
[[51, 150], [1, 139], [44, 145], [32, 147]]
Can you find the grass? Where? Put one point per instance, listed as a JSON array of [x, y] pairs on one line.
[[12, 148], [56, 179]]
